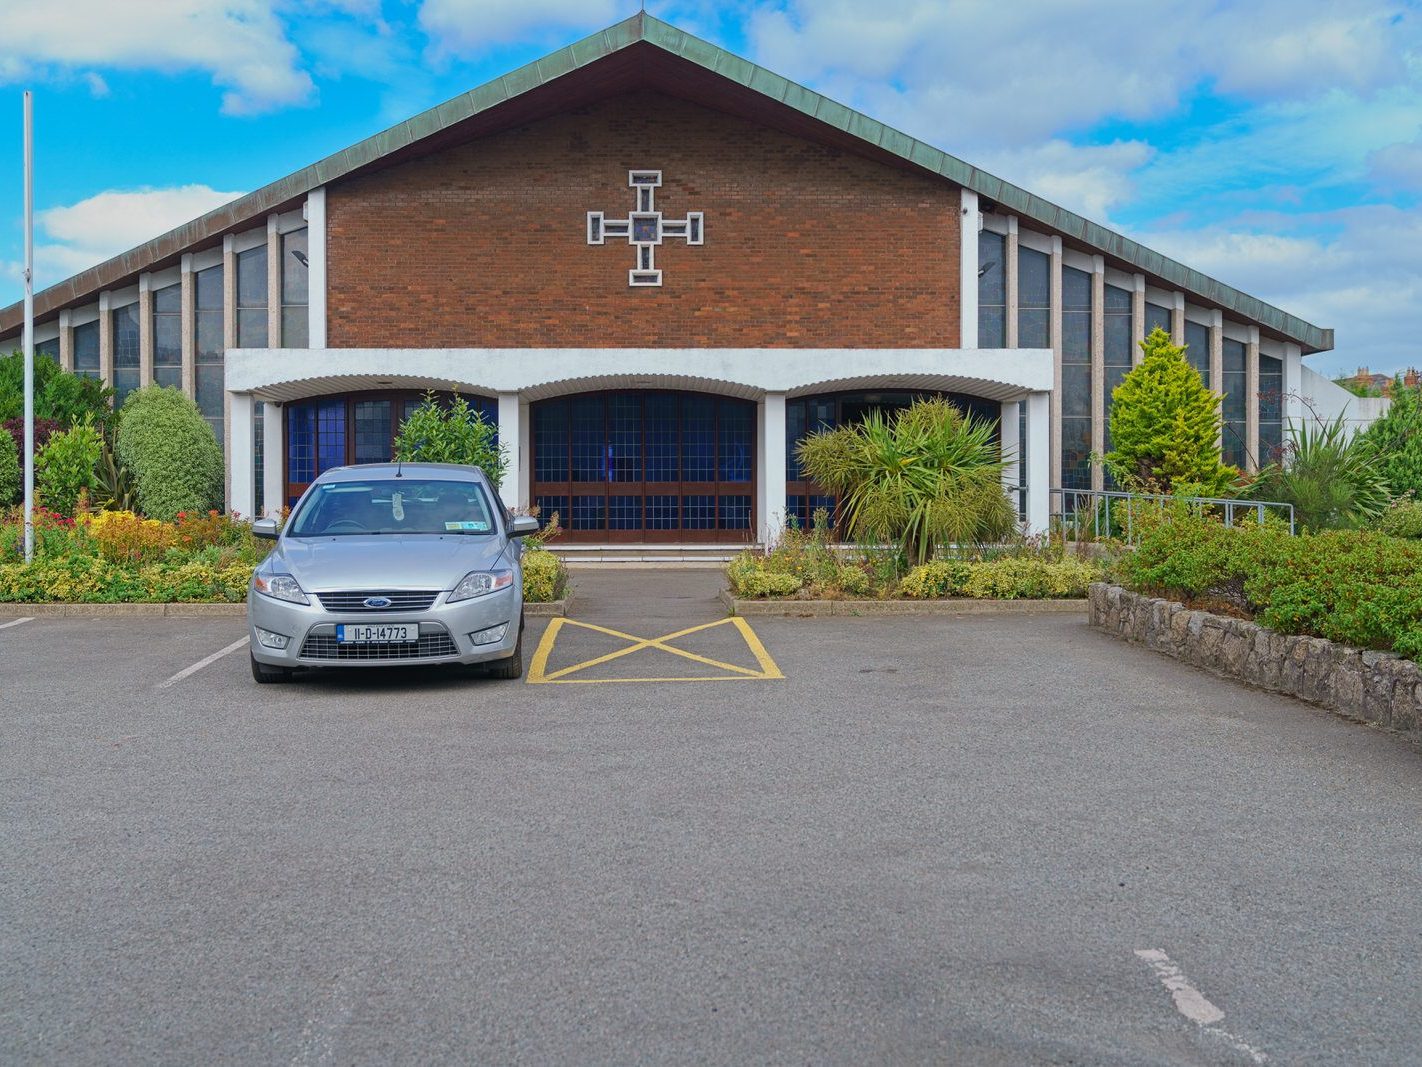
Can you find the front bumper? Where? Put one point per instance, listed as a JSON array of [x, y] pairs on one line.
[[444, 632]]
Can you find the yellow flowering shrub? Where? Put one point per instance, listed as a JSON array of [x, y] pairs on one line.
[[124, 537]]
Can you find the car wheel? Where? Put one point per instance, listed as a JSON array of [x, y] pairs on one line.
[[268, 675], [512, 667]]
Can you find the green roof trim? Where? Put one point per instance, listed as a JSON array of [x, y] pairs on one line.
[[645, 28]]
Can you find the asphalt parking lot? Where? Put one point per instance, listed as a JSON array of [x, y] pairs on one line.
[[987, 839]]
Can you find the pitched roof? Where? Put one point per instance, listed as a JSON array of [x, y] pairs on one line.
[[643, 51]]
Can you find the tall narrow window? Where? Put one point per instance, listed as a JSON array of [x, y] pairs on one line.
[[168, 336], [992, 290], [125, 325], [86, 350], [1271, 409], [1117, 352], [1234, 446], [1076, 379], [1034, 299], [252, 298], [1197, 350], [295, 321], [1156, 317], [49, 347], [207, 346]]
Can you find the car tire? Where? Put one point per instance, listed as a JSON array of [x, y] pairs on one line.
[[268, 675], [511, 667]]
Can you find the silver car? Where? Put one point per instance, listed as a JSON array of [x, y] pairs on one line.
[[391, 565]]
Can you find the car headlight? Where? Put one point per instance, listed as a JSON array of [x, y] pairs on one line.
[[480, 583], [279, 587]]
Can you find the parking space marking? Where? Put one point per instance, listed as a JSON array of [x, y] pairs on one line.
[[200, 664], [538, 673], [1193, 1004], [15, 622]]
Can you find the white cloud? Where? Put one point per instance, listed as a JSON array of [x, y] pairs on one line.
[[1397, 167], [1087, 179], [468, 27], [78, 236], [241, 43]]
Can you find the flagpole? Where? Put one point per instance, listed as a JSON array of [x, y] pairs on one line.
[[29, 328]]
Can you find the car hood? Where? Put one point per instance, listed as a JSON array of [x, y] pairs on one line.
[[384, 562]]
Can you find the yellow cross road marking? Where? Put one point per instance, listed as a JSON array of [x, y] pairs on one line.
[[538, 670]]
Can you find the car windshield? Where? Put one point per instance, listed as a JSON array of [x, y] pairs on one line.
[[392, 506]]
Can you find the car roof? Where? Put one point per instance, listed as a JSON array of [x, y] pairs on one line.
[[359, 471]]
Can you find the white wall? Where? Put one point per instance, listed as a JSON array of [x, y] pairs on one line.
[[1325, 400]]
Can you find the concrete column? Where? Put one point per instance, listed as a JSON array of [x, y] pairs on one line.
[[1294, 410], [241, 459], [273, 283], [511, 435], [1177, 319], [1054, 445], [770, 478], [1217, 366], [189, 295], [969, 220], [106, 341], [274, 457], [1011, 449], [66, 341], [316, 257], [229, 295], [1039, 438], [1251, 406], [1010, 275], [525, 448], [1138, 313], [1098, 368], [145, 330]]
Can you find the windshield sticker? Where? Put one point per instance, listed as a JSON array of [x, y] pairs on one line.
[[397, 506], [459, 527]]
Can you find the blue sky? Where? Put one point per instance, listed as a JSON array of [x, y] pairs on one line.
[[1275, 144]]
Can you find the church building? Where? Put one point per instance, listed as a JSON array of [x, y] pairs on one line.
[[656, 267]]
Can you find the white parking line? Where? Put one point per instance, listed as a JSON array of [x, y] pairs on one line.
[[200, 664], [1193, 1004], [15, 622]]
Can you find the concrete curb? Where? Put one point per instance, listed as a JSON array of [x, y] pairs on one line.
[[864, 608], [192, 611]]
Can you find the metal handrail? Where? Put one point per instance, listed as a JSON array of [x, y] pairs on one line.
[[1102, 515]]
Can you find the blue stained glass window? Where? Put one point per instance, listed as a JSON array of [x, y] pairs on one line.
[[372, 431], [301, 442], [663, 512], [125, 324], [735, 513], [794, 434], [736, 443], [330, 434], [624, 432], [589, 513], [624, 513], [662, 421], [589, 440], [86, 350], [548, 506], [992, 290], [1034, 299], [1271, 408], [698, 442], [698, 512], [1197, 352], [550, 442], [1157, 316]]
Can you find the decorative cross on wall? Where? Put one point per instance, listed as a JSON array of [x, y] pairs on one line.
[[645, 228]]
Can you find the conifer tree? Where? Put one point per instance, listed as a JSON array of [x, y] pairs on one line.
[[1165, 426]]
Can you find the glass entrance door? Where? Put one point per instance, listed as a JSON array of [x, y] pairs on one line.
[[646, 466]]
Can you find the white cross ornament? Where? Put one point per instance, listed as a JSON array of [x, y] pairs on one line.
[[645, 228]]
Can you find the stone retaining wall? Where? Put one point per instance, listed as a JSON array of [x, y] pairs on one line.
[[1378, 687]]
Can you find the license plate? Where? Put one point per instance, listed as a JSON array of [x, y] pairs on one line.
[[382, 633]]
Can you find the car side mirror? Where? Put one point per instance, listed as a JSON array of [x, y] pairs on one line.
[[523, 525], [265, 529]]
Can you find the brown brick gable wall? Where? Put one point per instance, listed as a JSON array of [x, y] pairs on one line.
[[485, 245]]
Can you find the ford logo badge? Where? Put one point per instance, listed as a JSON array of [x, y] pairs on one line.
[[378, 602]]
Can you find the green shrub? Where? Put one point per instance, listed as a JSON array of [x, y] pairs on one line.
[[1027, 578], [853, 580], [171, 454], [1329, 475], [64, 468], [544, 576], [12, 478], [60, 395], [931, 581], [749, 577], [1402, 519], [453, 433], [1395, 440]]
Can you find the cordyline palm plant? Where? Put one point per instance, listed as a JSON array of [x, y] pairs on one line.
[[1330, 477], [925, 476]]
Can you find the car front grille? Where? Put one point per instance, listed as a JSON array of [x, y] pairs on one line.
[[429, 646], [403, 601]]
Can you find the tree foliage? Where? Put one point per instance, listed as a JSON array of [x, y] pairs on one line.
[[924, 476], [171, 454], [452, 433], [12, 478], [1165, 426], [59, 394], [1329, 475], [64, 468], [1396, 440]]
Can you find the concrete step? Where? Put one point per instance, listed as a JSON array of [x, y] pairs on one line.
[[659, 555]]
